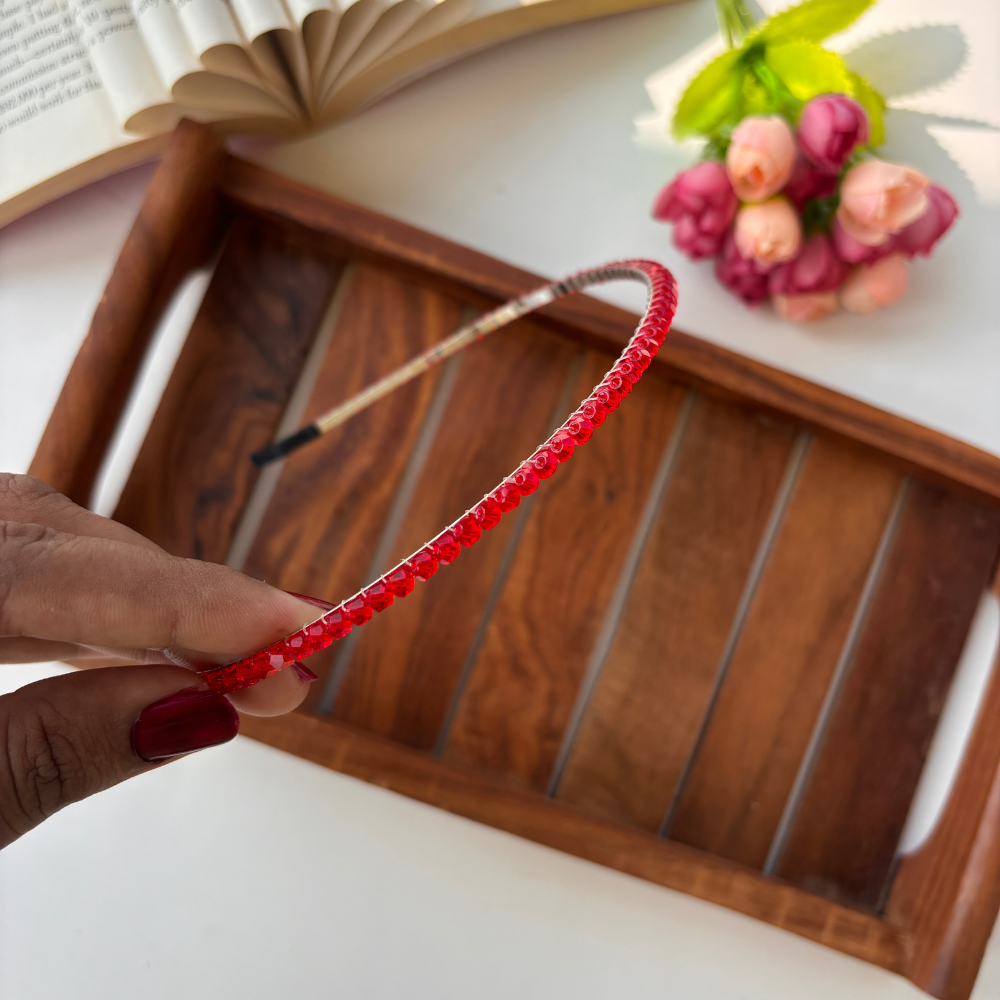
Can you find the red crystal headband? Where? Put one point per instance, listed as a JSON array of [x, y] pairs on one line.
[[445, 548]]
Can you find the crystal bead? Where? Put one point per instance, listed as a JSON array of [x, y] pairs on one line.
[[580, 428], [276, 661], [619, 382], [424, 564], [295, 643], [379, 595], [487, 513], [526, 479], [400, 581], [467, 531], [446, 548], [629, 369], [639, 357], [562, 445], [594, 411], [544, 463], [359, 611], [647, 343], [336, 625], [608, 397], [507, 495]]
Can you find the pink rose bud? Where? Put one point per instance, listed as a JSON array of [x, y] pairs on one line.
[[808, 181], [741, 275], [701, 204], [769, 232], [870, 288], [830, 127], [920, 236], [760, 157], [817, 268], [879, 198], [805, 308], [851, 251]]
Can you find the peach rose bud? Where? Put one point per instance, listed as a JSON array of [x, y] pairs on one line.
[[878, 199], [805, 308], [769, 232], [870, 288], [760, 157]]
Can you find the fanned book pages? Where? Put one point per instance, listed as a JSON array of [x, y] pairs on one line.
[[87, 86]]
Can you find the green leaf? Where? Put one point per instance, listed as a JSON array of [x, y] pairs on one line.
[[807, 70], [711, 97], [871, 100], [811, 21]]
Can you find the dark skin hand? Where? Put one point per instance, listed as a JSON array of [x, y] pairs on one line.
[[78, 587]]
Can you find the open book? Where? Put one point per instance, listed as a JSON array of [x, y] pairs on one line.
[[88, 86]]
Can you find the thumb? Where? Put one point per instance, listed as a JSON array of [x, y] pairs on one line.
[[67, 737]]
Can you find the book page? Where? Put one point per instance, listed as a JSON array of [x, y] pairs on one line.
[[58, 128], [208, 23], [177, 61], [116, 48], [355, 23], [446, 14], [276, 45], [222, 49], [166, 40], [318, 21], [393, 25]]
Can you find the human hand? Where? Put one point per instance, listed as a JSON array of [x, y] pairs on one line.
[[78, 587]]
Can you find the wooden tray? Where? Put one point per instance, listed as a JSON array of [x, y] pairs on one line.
[[711, 652]]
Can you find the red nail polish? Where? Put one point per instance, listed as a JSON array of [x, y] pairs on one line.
[[304, 673], [191, 719], [318, 602]]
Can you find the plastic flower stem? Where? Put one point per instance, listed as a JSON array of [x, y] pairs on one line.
[[785, 101], [735, 21]]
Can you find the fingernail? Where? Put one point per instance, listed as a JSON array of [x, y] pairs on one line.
[[304, 673], [191, 719], [325, 605]]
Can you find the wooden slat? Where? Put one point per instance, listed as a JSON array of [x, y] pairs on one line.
[[495, 802], [324, 521], [658, 678], [403, 674], [228, 391], [514, 712], [605, 327], [178, 226], [857, 799], [789, 647], [948, 892]]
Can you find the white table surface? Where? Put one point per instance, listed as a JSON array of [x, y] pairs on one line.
[[246, 872]]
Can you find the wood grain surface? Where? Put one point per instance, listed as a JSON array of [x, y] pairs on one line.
[[789, 647], [497, 802], [852, 813], [606, 327], [176, 230], [327, 513], [403, 674], [228, 391], [647, 708], [515, 709], [947, 893]]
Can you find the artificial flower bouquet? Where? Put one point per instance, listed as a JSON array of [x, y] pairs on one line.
[[790, 199]]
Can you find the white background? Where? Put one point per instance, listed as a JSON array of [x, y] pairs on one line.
[[245, 872]]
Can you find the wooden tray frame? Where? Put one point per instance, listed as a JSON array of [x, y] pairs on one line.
[[944, 898]]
